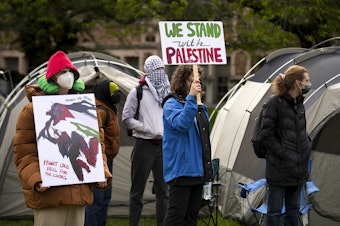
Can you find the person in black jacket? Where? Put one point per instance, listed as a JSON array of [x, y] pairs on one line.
[[287, 143]]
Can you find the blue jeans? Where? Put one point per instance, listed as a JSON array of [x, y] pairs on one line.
[[96, 214], [291, 197], [146, 156]]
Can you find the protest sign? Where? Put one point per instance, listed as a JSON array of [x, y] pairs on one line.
[[68, 139], [195, 42]]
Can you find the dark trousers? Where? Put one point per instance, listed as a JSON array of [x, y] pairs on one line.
[[146, 157], [95, 214], [291, 197], [184, 205]]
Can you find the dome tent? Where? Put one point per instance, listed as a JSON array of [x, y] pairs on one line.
[[230, 137], [92, 67]]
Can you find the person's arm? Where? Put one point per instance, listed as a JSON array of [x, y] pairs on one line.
[[129, 111], [270, 125], [115, 134], [26, 151], [179, 117], [108, 175]]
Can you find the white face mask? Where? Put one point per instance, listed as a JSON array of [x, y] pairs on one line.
[[66, 80]]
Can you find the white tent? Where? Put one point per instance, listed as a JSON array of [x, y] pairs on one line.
[[92, 67], [234, 123]]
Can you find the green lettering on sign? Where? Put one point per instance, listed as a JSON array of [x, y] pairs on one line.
[[174, 31]]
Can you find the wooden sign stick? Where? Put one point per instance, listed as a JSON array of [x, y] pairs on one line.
[[197, 77]]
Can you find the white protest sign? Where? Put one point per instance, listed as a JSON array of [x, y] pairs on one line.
[[195, 42], [68, 139]]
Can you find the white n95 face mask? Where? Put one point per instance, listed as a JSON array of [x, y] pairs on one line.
[[66, 80]]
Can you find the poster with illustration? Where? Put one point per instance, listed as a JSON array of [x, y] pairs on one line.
[[68, 139], [192, 42]]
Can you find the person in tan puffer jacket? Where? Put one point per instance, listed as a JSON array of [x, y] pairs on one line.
[[57, 205]]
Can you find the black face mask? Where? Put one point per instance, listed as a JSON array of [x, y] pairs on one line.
[[115, 97], [306, 88]]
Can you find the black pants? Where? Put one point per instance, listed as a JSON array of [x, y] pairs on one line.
[[184, 205], [146, 157]]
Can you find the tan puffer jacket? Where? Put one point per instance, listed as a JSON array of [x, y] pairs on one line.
[[27, 162], [111, 140]]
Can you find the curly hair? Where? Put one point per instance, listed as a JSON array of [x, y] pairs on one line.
[[286, 81], [179, 77]]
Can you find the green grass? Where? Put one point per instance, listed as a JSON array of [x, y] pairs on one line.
[[123, 222]]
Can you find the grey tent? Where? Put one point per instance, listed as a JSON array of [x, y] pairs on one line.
[[236, 114], [92, 66]]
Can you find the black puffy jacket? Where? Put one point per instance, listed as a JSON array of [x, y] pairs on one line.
[[286, 140]]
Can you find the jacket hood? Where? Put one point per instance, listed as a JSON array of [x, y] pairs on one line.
[[33, 90], [174, 95], [59, 61], [102, 92]]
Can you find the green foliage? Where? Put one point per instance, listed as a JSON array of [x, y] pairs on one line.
[[292, 22], [40, 27], [44, 26]]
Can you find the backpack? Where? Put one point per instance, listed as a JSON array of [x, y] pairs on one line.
[[256, 139], [139, 95]]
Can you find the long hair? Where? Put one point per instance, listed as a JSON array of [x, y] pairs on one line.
[[178, 83], [284, 82]]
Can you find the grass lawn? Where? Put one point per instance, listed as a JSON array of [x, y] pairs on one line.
[[122, 222]]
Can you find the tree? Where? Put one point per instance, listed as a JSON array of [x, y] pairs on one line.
[[265, 25], [40, 27]]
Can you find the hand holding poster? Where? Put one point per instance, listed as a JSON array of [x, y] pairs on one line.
[[68, 139], [195, 42]]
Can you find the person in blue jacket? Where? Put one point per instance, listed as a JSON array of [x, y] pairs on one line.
[[186, 147]]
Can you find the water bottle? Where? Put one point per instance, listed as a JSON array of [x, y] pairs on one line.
[[207, 191]]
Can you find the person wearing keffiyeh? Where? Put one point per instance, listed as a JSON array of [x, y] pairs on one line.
[[148, 133], [156, 78]]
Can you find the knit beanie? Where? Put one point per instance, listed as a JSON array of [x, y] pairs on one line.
[[59, 61]]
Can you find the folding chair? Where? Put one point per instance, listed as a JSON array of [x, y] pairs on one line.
[[211, 203], [260, 211]]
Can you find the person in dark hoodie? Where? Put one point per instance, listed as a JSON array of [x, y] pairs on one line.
[[287, 143], [107, 95], [56, 205]]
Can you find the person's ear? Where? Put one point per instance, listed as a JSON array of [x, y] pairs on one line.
[[297, 82]]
